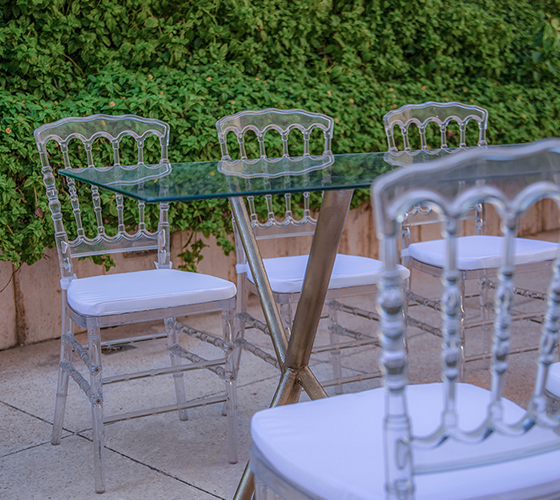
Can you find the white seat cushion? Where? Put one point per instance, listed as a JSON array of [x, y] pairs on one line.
[[144, 291], [553, 380], [286, 274], [482, 252], [333, 447]]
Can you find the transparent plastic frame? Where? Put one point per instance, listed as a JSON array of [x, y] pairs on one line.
[[286, 226], [88, 130], [512, 180]]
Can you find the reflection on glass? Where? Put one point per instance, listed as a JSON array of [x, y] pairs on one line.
[[416, 156], [137, 174], [123, 175], [274, 167]]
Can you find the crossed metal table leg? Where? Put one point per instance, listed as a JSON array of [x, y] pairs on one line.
[[293, 354]]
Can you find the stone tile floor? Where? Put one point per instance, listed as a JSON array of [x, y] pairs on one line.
[[161, 457]]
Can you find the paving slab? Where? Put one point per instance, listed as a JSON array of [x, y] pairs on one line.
[[21, 430], [65, 472], [193, 451]]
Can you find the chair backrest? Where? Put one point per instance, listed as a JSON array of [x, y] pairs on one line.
[[283, 121], [441, 114], [512, 179], [87, 130]]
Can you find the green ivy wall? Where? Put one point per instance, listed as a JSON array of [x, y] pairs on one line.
[[191, 62]]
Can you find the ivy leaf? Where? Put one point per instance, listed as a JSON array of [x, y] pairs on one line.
[[151, 22]]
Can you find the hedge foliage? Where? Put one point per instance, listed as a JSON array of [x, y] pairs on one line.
[[48, 45], [191, 62]]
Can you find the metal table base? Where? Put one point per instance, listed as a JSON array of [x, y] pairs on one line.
[[293, 354]]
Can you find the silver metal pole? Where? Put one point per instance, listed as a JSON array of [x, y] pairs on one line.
[[270, 309]]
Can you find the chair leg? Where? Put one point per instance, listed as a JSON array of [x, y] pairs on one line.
[[286, 315], [239, 322], [408, 283], [406, 287], [62, 386], [552, 403], [485, 316], [462, 369], [334, 338], [231, 388], [235, 356], [96, 396], [242, 295], [239, 329], [173, 339]]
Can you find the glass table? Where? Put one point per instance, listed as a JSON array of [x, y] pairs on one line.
[[336, 175], [224, 179]]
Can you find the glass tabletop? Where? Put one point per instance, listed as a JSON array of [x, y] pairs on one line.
[[227, 178]]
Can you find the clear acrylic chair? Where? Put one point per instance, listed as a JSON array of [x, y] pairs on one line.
[[479, 253], [448, 440], [124, 298], [352, 275]]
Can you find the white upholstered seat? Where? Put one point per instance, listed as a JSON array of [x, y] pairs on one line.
[[333, 448], [481, 252], [286, 274], [553, 381], [144, 290]]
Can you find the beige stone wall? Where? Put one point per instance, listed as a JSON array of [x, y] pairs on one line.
[[30, 303]]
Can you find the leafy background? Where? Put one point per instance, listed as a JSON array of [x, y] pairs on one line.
[[191, 62]]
